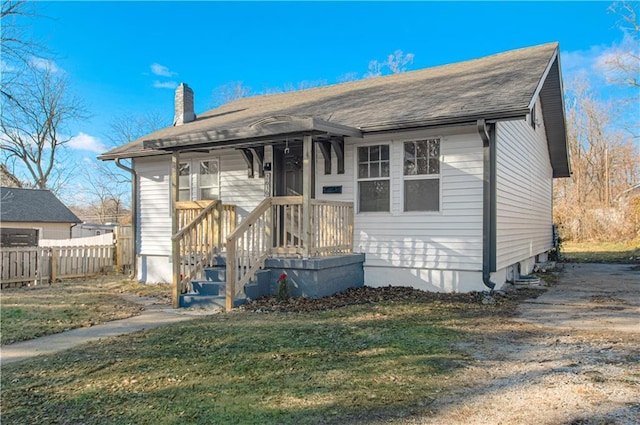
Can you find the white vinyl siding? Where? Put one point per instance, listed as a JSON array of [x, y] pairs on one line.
[[236, 187], [154, 218], [448, 239], [524, 191]]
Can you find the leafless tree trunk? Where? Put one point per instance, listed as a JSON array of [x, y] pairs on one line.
[[33, 128]]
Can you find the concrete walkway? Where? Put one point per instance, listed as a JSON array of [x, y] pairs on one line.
[[596, 297], [152, 317]]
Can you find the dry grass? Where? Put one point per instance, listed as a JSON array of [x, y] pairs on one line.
[[31, 312], [352, 364], [602, 252]]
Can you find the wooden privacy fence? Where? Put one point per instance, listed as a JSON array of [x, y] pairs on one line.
[[124, 249], [33, 265]]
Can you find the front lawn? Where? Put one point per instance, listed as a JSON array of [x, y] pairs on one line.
[[31, 312], [345, 365]]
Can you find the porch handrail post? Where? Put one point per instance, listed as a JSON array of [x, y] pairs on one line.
[[307, 146], [232, 276], [218, 220], [175, 244]]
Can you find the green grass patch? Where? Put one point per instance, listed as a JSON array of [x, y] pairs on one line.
[[602, 252], [345, 365], [31, 312]]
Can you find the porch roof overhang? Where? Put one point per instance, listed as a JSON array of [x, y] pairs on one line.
[[265, 131]]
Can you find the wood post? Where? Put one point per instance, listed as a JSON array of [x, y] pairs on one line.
[[175, 244], [53, 261], [219, 223], [118, 245], [307, 147], [232, 276]]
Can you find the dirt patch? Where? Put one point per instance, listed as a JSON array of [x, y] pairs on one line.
[[558, 361]]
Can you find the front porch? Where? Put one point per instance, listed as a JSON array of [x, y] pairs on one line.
[[281, 226], [215, 254]]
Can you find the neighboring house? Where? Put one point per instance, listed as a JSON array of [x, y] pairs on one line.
[[449, 170], [91, 229], [28, 215]]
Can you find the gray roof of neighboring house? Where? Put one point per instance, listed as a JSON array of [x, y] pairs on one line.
[[499, 86], [33, 205]]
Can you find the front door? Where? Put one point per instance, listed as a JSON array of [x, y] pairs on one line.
[[288, 170], [288, 182]]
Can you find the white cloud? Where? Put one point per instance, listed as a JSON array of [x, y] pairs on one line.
[[44, 64], [599, 62], [161, 70], [86, 142], [165, 84], [619, 59]]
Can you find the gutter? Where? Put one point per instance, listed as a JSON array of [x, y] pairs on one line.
[[488, 136], [134, 213]]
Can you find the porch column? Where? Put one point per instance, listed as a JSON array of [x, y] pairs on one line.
[[307, 146], [175, 245]]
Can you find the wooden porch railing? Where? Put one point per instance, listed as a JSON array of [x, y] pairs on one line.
[[203, 228], [248, 247], [332, 227], [275, 228]]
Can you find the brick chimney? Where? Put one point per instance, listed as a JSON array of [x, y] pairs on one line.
[[184, 105]]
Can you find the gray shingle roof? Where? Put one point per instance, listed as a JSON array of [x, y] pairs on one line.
[[500, 85], [33, 205]]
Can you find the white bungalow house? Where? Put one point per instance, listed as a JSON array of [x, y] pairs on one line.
[[441, 177]]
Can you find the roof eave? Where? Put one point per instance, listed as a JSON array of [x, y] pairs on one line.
[[551, 95], [513, 114], [258, 132]]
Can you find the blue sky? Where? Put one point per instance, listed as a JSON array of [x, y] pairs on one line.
[[126, 58]]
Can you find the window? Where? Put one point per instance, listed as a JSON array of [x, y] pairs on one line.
[[208, 180], [184, 182], [200, 186], [422, 175], [373, 178]]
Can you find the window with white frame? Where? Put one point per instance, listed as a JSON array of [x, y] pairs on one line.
[[199, 180], [184, 181], [422, 175], [374, 185], [208, 180]]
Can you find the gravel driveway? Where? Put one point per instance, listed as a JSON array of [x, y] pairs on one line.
[[571, 356]]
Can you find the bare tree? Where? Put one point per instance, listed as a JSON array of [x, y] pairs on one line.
[[17, 47], [126, 128], [622, 64], [395, 63], [105, 181], [229, 92], [109, 191], [33, 128], [605, 162]]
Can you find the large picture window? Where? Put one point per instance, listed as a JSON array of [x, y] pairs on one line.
[[373, 178], [422, 175]]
